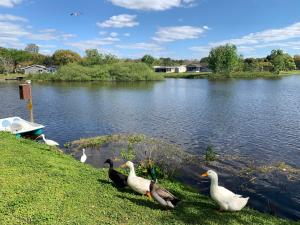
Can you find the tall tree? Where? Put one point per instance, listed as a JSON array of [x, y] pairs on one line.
[[6, 65], [63, 57], [148, 59], [297, 61], [32, 48], [281, 61], [224, 59]]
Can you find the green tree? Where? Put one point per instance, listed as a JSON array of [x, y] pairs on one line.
[[251, 64], [32, 48], [297, 61], [6, 65], [48, 61], [93, 57], [204, 61], [63, 57], [148, 59], [166, 62], [281, 61], [110, 59], [224, 59]]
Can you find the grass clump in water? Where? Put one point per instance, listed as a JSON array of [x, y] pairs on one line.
[[210, 154]]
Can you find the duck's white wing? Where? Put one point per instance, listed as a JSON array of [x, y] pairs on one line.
[[139, 184], [227, 194]]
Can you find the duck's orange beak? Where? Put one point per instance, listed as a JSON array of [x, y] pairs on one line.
[[204, 174], [123, 166]]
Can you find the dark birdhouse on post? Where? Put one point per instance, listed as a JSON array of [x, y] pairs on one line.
[[25, 91], [25, 94]]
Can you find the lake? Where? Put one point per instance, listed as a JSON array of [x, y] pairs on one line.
[[254, 120]]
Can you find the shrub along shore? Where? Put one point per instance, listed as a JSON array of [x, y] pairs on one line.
[[119, 71], [40, 185], [238, 75]]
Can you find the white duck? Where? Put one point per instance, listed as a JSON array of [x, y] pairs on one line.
[[138, 184], [49, 142], [227, 200], [83, 157]]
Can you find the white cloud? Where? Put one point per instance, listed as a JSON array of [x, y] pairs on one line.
[[93, 43], [141, 46], [113, 34], [102, 32], [119, 21], [292, 31], [9, 3], [267, 38], [11, 34], [127, 34], [48, 35], [168, 34], [156, 5], [9, 17], [67, 36]]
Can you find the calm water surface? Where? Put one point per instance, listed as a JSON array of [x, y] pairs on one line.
[[256, 119]]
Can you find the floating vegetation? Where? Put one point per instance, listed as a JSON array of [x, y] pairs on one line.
[[210, 154]]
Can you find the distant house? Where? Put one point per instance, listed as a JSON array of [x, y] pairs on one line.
[[164, 69], [52, 69], [169, 69], [180, 69], [197, 68], [34, 69], [193, 68]]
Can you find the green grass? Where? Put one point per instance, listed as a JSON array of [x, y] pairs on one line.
[[243, 75], [39, 185]]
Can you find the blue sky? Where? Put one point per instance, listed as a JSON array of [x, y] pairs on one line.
[[163, 28]]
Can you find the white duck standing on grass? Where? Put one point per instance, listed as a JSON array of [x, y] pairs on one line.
[[49, 142], [138, 184], [227, 200], [83, 157]]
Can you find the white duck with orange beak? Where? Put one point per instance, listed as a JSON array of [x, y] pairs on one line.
[[138, 184], [226, 199]]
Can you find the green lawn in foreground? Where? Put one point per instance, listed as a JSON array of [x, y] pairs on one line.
[[39, 185]]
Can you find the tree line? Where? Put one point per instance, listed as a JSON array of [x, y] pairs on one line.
[[225, 59], [222, 59]]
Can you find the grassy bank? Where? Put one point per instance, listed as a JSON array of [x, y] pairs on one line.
[[121, 71], [11, 75], [42, 186], [243, 75]]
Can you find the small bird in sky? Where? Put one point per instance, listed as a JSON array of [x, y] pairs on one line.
[[75, 14]]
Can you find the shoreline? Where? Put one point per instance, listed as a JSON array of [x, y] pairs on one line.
[[43, 185], [236, 75], [201, 75]]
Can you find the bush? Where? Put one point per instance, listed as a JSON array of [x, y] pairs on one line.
[[120, 71]]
